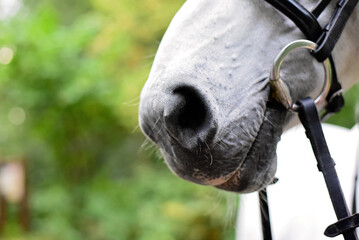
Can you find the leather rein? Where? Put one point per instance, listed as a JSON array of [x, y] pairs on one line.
[[325, 40]]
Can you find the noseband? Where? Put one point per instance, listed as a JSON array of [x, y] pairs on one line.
[[321, 43]]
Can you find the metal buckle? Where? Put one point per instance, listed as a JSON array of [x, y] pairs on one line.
[[280, 91]]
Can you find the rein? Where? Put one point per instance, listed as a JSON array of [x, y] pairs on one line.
[[321, 42]]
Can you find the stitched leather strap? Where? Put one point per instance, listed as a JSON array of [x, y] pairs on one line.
[[307, 22], [320, 7], [309, 117], [334, 29], [326, 39], [301, 17]]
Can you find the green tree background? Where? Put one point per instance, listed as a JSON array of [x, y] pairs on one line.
[[70, 77]]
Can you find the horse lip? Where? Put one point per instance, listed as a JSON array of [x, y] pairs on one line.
[[231, 177], [241, 180]]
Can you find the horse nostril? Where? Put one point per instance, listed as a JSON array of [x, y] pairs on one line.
[[188, 117], [190, 111]]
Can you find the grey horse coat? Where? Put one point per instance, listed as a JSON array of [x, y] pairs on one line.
[[205, 101], [205, 104]]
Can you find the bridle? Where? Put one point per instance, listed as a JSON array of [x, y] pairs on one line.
[[321, 42], [325, 38]]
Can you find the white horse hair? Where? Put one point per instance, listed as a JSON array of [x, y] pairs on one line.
[[205, 102]]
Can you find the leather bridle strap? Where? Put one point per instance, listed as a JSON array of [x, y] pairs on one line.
[[326, 38], [320, 7], [334, 29], [264, 209], [301, 17], [347, 223], [307, 22]]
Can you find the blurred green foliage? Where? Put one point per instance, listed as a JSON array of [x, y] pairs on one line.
[[347, 117], [69, 98]]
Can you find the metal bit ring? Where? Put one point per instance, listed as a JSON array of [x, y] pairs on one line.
[[280, 91]]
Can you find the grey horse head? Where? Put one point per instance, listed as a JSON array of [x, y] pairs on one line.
[[207, 103]]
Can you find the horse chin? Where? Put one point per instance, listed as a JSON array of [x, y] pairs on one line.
[[260, 164]]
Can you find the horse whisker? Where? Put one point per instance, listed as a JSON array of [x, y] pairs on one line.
[[154, 125], [270, 122], [210, 154], [132, 102]]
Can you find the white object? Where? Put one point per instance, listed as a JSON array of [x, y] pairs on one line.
[[299, 203]]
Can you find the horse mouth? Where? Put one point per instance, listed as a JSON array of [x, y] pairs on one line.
[[257, 169], [250, 133], [253, 172]]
